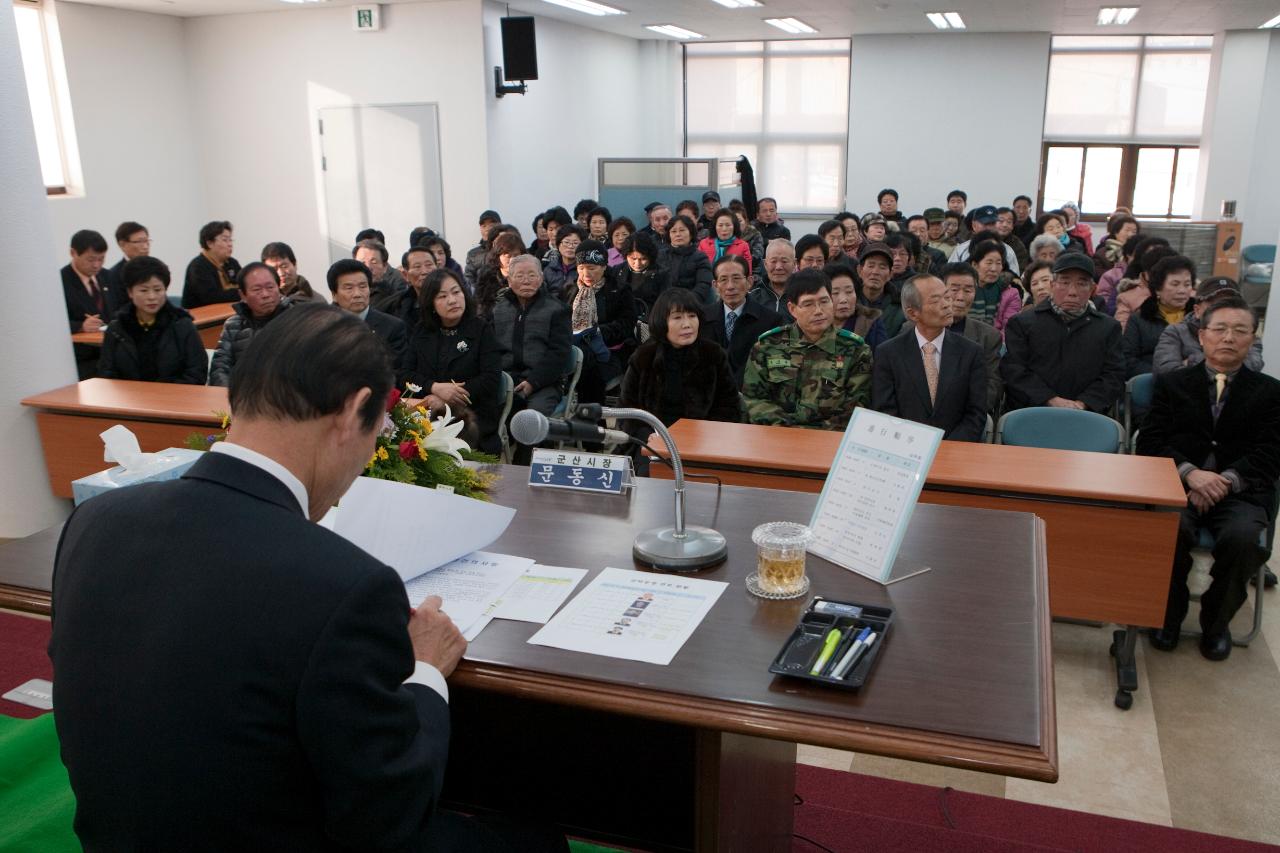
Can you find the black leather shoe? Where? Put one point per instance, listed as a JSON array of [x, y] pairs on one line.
[[1165, 639], [1216, 646], [1268, 580]]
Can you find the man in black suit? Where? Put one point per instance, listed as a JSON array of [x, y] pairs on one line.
[[735, 322], [135, 242], [1220, 422], [351, 282], [232, 676], [85, 290], [931, 375]]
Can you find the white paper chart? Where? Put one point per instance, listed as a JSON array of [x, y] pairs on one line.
[[869, 495]]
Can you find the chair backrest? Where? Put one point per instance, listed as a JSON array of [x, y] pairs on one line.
[[1061, 429], [175, 300], [1137, 399], [989, 431], [1258, 253], [570, 398]]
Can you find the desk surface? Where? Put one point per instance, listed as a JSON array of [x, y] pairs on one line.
[[1113, 478], [196, 404], [204, 317], [964, 678]]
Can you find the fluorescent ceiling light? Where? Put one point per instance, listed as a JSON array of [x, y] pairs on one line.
[[305, 1], [587, 7], [1274, 22], [945, 20], [674, 31], [739, 4], [790, 25], [1116, 15]]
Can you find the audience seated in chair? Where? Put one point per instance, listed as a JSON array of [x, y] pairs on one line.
[[415, 265], [260, 303], [603, 319], [86, 295], [1172, 282], [350, 285], [150, 340], [280, 257], [455, 358], [686, 266], [735, 322], [779, 264], [932, 375], [532, 328], [875, 269], [493, 274], [850, 314], [135, 242], [1065, 352], [474, 260], [1220, 423], [1179, 344], [807, 374], [387, 284], [212, 275]]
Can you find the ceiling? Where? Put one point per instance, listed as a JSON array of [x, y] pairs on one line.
[[830, 17]]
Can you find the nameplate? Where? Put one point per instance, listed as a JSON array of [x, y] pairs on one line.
[[584, 472], [38, 693]]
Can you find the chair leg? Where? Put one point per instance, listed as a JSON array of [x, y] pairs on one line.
[[1258, 591], [1124, 644]]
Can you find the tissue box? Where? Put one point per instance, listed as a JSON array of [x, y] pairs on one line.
[[169, 464]]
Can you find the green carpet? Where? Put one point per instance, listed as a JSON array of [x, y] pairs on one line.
[[35, 796], [584, 847]]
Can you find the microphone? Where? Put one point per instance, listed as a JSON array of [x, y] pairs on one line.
[[529, 426]]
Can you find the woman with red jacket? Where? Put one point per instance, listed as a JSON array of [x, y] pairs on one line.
[[726, 239]]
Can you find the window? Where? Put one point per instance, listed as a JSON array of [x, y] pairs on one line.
[[1123, 117], [35, 35], [784, 104]]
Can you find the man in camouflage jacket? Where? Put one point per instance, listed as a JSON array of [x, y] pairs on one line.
[[808, 374]]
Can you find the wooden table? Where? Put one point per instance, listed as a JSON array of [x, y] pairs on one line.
[[162, 415], [208, 320], [700, 754], [1112, 519]]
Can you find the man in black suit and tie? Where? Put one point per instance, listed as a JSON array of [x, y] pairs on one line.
[[85, 289], [735, 322], [1220, 422], [931, 374], [351, 283], [233, 676]]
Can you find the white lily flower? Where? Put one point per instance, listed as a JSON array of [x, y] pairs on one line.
[[444, 436]]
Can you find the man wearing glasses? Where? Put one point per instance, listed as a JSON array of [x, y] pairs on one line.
[[1220, 423], [134, 241], [808, 374]]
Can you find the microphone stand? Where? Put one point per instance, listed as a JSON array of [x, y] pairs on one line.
[[681, 547]]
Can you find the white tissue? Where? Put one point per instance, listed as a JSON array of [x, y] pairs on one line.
[[122, 447]]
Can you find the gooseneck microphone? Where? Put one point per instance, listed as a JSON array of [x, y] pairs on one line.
[[533, 427]]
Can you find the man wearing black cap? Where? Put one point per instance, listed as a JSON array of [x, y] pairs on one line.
[[710, 207], [1064, 352], [983, 219], [475, 257], [888, 201]]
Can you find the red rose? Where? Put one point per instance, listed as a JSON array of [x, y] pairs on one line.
[[408, 450], [393, 398]]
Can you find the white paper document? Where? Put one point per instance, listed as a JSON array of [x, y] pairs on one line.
[[632, 615], [415, 530], [469, 587], [538, 593], [867, 500]]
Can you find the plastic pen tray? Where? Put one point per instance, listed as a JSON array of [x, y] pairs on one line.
[[803, 647]]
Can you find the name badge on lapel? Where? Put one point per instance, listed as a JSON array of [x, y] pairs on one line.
[[462, 346]]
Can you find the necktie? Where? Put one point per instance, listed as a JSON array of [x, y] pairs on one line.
[[930, 370], [96, 294], [1221, 380], [730, 319]]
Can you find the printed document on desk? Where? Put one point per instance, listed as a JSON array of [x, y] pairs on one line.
[[867, 499], [469, 587], [414, 530], [538, 593], [632, 615]]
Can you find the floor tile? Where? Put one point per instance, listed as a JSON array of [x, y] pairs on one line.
[[818, 756]]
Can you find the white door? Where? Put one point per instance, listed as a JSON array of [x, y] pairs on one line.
[[381, 170]]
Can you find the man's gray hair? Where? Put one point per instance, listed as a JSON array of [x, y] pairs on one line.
[[524, 259], [911, 291], [781, 241]]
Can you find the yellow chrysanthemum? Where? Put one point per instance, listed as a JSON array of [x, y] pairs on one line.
[[420, 410], [422, 453], [226, 419], [372, 459], [382, 454]]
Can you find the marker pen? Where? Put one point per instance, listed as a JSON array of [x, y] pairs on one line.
[[828, 646], [839, 670], [858, 656]]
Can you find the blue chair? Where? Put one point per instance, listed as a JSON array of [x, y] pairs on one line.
[[1137, 399], [507, 392], [1256, 288], [1060, 429], [1205, 543], [175, 301]]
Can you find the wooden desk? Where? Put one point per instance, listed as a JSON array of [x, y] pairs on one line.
[[71, 418], [1112, 519], [208, 320], [700, 754]]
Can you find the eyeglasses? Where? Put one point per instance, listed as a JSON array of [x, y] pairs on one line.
[[1225, 331]]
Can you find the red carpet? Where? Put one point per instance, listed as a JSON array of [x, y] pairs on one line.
[[850, 812], [23, 641]]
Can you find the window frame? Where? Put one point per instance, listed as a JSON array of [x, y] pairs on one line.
[[765, 138], [1128, 174], [54, 95]]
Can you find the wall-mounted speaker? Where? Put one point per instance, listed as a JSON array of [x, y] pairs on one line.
[[519, 49]]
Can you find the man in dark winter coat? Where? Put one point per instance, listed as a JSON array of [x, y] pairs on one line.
[[532, 326], [259, 304]]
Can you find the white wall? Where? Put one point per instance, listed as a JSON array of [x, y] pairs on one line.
[[261, 78], [914, 126], [127, 79], [597, 95]]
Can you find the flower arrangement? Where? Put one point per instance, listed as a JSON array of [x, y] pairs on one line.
[[411, 448]]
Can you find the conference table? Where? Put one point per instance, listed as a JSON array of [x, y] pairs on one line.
[[208, 319], [1111, 519], [700, 754]]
